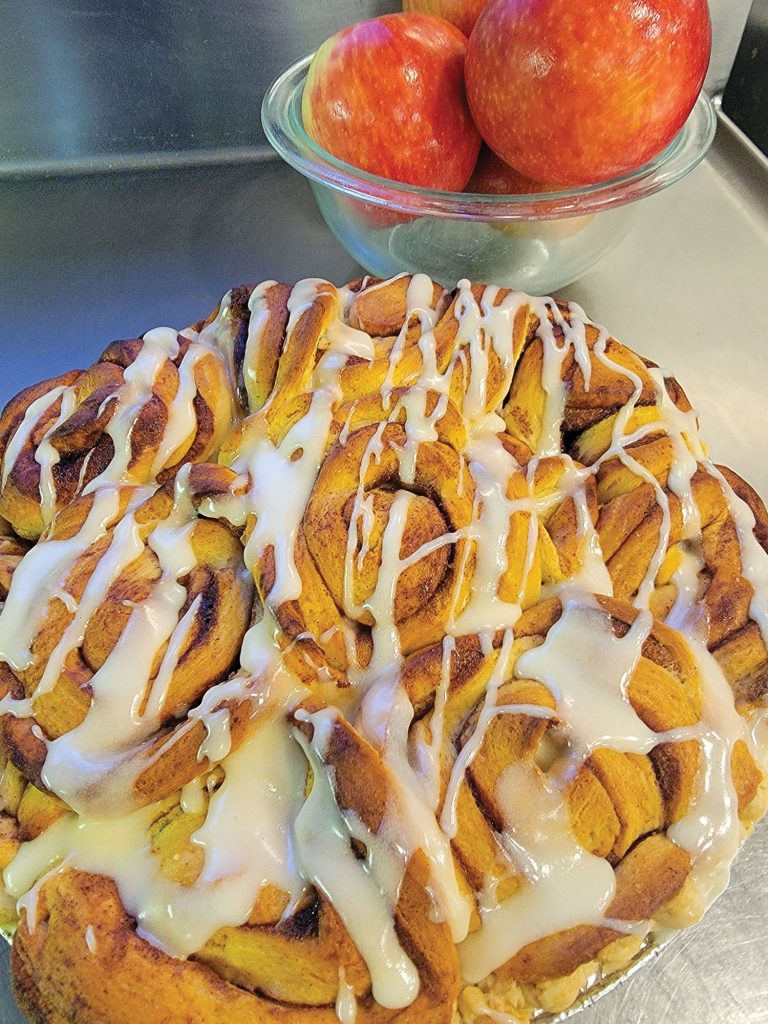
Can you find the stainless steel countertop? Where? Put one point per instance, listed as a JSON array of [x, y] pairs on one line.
[[86, 83], [87, 259]]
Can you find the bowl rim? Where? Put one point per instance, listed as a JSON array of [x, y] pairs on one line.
[[283, 126]]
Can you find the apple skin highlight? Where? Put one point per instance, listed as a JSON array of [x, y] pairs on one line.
[[582, 92], [387, 95]]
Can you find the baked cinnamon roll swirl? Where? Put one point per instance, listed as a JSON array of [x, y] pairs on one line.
[[12, 550], [519, 779], [275, 337], [675, 530], [146, 407], [140, 586], [389, 417], [380, 653], [288, 959]]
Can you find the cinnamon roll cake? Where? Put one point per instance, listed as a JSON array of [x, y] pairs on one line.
[[368, 654]]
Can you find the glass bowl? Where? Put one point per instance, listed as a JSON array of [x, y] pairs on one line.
[[535, 243]]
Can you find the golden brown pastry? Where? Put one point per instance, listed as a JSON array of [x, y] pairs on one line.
[[146, 407], [382, 654]]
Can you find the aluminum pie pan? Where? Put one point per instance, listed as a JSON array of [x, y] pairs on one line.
[[653, 947]]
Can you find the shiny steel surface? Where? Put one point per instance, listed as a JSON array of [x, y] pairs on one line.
[[87, 259], [95, 83]]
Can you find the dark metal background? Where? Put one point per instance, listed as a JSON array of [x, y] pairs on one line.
[[746, 95]]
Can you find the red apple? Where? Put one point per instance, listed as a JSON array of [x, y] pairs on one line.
[[387, 95], [581, 92], [493, 177], [462, 13]]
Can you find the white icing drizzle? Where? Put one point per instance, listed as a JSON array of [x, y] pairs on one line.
[[363, 892], [587, 668], [574, 337], [182, 418], [563, 885], [341, 336], [280, 487], [593, 575], [344, 435], [34, 413], [218, 333], [246, 838], [419, 303], [709, 830], [346, 1002], [484, 328], [160, 686], [257, 323], [43, 571], [385, 718], [419, 426], [192, 797], [427, 757], [261, 827], [491, 467], [618, 449], [78, 760], [757, 736], [47, 456], [683, 614], [159, 345], [362, 513], [682, 430], [381, 603], [218, 739], [258, 803], [448, 816], [28, 903], [125, 547], [754, 559], [301, 299]]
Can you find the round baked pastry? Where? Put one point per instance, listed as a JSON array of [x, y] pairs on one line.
[[379, 653]]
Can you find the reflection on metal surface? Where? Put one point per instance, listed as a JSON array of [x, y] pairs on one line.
[[85, 80], [91, 84], [728, 17], [109, 162]]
